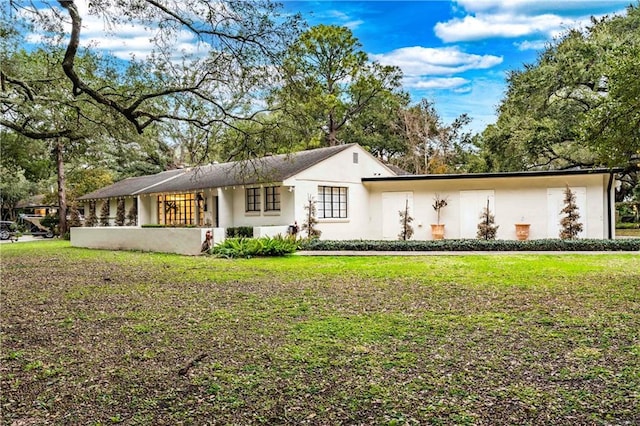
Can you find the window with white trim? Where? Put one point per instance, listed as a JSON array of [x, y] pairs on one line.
[[332, 202], [252, 196], [272, 198]]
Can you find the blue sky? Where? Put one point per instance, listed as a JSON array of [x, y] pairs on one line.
[[456, 53]]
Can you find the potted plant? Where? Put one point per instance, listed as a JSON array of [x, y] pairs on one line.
[[522, 230], [437, 229]]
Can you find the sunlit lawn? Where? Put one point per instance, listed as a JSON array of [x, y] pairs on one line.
[[100, 337]]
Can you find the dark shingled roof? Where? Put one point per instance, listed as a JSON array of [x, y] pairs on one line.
[[131, 185], [275, 168]]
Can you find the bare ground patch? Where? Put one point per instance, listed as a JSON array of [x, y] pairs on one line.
[[97, 338]]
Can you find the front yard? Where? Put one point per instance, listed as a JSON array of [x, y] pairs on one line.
[[98, 337]]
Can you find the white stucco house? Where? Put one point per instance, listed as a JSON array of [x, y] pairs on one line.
[[356, 195]]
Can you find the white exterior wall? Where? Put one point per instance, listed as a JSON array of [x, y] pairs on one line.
[[168, 240], [515, 200], [284, 217], [339, 170]]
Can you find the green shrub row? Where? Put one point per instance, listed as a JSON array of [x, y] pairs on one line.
[[475, 245], [157, 225], [240, 232], [251, 247]]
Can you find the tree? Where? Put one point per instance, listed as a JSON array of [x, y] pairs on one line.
[[487, 229], [431, 145], [406, 230], [328, 82], [132, 214], [120, 215], [105, 213], [240, 42], [569, 222], [310, 220], [91, 220], [576, 106], [74, 216]]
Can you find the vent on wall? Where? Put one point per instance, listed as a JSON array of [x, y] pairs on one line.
[[355, 158]]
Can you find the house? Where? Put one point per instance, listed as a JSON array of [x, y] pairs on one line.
[[356, 196]]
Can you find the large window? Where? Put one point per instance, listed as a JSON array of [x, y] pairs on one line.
[[272, 198], [332, 202], [253, 200], [176, 209]]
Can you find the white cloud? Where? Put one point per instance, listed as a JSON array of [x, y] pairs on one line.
[[417, 60], [517, 18], [531, 7], [531, 44], [344, 19], [501, 25], [124, 40], [420, 83]]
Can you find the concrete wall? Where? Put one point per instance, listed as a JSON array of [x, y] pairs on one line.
[[167, 240]]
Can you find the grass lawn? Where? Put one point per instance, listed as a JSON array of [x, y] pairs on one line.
[[98, 337]]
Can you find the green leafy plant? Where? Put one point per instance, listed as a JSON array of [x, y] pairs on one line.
[[251, 247], [120, 216], [104, 213], [91, 219], [132, 214], [240, 232], [631, 244], [50, 221]]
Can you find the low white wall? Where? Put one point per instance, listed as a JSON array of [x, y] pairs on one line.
[[167, 240], [269, 231]]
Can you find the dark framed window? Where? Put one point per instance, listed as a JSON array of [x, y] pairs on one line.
[[332, 202], [252, 196], [176, 209], [272, 198]]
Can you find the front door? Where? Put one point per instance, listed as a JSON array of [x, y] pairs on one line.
[[392, 204]]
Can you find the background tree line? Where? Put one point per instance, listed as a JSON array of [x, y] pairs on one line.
[[264, 82]]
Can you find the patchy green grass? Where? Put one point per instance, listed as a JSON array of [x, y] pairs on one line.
[[99, 337]]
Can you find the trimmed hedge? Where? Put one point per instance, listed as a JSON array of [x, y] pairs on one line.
[[157, 225], [240, 232], [630, 244]]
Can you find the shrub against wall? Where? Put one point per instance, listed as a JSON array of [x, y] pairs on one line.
[[91, 219], [406, 230], [487, 229], [132, 215], [240, 232], [104, 213], [631, 244], [120, 212], [571, 227]]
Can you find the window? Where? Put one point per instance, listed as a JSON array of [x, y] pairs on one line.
[[253, 200], [176, 209], [272, 198], [332, 202]]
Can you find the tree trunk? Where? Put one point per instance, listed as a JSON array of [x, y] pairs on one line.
[[62, 196], [332, 132]]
